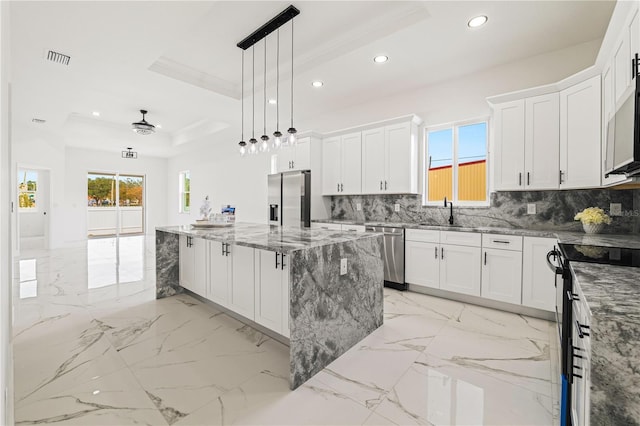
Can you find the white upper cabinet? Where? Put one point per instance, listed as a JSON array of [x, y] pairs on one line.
[[541, 142], [580, 136], [508, 145], [341, 165], [622, 66], [401, 158], [296, 157], [373, 161]]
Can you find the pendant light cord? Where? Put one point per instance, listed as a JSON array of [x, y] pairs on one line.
[[242, 99], [253, 91], [278, 82], [264, 119], [292, 72]]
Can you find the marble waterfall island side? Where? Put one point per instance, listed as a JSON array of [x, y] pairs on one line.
[[328, 312]]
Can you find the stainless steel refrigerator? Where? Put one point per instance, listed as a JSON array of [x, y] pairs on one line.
[[290, 199]]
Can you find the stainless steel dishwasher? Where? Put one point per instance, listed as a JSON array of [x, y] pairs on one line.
[[393, 248]]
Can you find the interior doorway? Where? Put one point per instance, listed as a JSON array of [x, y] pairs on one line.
[[33, 208], [115, 204]]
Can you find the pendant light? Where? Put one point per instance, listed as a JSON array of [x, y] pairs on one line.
[[253, 141], [277, 136], [264, 145], [292, 130], [242, 143]]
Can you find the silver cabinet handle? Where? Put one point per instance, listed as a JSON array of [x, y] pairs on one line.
[[385, 185], [282, 265], [341, 187], [223, 249], [501, 241], [338, 190], [561, 173], [436, 252], [442, 253], [485, 257], [277, 264], [528, 182], [380, 185], [520, 179]]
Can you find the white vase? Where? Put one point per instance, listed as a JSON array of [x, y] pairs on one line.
[[592, 228]]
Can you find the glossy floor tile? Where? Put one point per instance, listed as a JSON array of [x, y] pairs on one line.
[[93, 347]]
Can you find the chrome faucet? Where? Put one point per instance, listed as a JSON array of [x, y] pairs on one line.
[[450, 205]]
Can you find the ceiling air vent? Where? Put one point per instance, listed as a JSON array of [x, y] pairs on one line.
[[58, 58]]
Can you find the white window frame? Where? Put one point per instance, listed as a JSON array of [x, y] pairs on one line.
[[425, 152], [35, 193], [181, 192]]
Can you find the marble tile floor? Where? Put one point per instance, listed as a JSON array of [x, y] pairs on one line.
[[93, 347]]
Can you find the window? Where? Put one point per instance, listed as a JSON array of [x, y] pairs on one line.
[[184, 204], [456, 164], [27, 189]]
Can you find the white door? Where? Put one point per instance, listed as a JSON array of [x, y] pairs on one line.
[[401, 159], [422, 264], [373, 161], [502, 275], [241, 295], [351, 182], [580, 135], [268, 290], [460, 269], [302, 157], [219, 271], [33, 208], [508, 145], [538, 290], [331, 165], [542, 142], [186, 262]]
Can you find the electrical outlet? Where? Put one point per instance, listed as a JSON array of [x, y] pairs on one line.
[[358, 206], [615, 209], [531, 208], [396, 207], [343, 266]]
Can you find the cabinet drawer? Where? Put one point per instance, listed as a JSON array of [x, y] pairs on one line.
[[353, 228], [503, 242], [458, 238], [422, 235]]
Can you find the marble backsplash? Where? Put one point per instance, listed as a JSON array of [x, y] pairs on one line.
[[555, 209]]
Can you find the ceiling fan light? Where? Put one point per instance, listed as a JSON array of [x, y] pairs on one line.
[[142, 127]]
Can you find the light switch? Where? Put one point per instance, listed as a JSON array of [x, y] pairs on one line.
[[358, 206], [531, 208], [343, 266], [396, 207], [615, 209]]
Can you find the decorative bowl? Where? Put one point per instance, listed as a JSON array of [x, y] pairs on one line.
[[592, 228]]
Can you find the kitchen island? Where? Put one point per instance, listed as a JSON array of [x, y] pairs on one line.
[[287, 280]]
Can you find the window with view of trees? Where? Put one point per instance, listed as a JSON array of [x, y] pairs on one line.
[[185, 192], [27, 189], [456, 164], [102, 188]]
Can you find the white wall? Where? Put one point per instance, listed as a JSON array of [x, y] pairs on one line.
[[6, 364], [218, 171]]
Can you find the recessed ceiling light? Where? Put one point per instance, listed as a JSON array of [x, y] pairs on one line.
[[272, 101], [96, 113], [317, 83], [380, 59], [158, 126], [477, 21], [97, 391]]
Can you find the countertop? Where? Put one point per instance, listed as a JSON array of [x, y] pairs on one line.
[[611, 293], [273, 238], [606, 240]]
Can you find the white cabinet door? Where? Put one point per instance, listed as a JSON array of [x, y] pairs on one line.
[[200, 266], [538, 280], [542, 142], [286, 157], [373, 161], [401, 159], [186, 262], [460, 269], [502, 275], [607, 113], [508, 145], [331, 165], [351, 182], [242, 289], [302, 155], [580, 135], [268, 290], [634, 37], [622, 66], [286, 298], [219, 274], [422, 264]]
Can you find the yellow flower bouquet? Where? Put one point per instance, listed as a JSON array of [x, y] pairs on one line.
[[593, 219]]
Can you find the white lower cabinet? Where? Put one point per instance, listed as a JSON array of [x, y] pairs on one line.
[[460, 269], [272, 291], [193, 264], [422, 262], [242, 288], [537, 279], [221, 273], [502, 275]]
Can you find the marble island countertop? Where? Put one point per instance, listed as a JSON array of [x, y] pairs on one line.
[[273, 238], [565, 237], [611, 293]]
